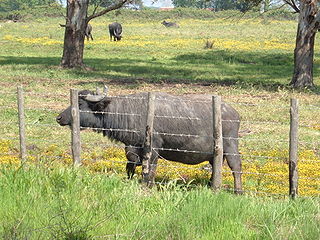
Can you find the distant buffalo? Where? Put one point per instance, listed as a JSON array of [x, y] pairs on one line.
[[115, 30], [88, 32], [182, 128], [169, 24]]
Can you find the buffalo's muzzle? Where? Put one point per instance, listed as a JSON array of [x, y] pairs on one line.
[[58, 119]]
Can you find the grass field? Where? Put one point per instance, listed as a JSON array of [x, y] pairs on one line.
[[66, 204], [250, 66]]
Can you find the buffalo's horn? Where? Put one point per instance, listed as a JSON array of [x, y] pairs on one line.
[[105, 90], [98, 91], [94, 98]]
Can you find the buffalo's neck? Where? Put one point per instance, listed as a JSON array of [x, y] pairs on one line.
[[92, 121], [122, 125]]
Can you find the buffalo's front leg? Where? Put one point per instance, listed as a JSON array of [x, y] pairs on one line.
[[134, 160]]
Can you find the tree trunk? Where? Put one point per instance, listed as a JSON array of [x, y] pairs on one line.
[[304, 50], [263, 6], [74, 33]]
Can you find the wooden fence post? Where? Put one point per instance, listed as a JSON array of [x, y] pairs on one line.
[[293, 152], [147, 146], [216, 177], [22, 132], [75, 128]]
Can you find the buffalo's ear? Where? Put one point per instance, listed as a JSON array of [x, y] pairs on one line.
[[101, 105]]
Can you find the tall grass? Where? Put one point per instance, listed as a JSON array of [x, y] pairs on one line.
[[250, 62], [38, 203]]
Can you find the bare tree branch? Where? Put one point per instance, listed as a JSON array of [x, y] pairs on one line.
[[96, 6], [117, 5], [315, 25], [292, 4], [95, 9]]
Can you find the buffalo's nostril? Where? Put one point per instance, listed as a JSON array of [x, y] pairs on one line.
[[58, 119]]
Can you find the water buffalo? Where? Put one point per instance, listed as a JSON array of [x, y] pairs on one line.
[[115, 30], [169, 24], [88, 32], [182, 127]]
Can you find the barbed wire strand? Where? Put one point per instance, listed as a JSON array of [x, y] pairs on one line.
[[111, 129], [42, 109], [9, 107], [111, 113]]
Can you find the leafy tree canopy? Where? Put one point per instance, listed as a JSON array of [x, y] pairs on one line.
[[242, 5], [106, 3], [11, 5]]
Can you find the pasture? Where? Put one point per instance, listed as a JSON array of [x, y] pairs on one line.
[[249, 65]]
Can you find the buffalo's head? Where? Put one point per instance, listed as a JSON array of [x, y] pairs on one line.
[[91, 106], [118, 34]]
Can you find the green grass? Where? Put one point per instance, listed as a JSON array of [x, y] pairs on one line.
[[248, 64], [251, 62], [244, 67], [38, 203]]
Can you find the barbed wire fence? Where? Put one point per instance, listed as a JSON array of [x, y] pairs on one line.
[[264, 172]]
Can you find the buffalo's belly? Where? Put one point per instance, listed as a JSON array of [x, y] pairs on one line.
[[185, 157]]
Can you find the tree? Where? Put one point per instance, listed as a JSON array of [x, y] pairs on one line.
[[77, 20], [192, 3], [264, 6], [308, 26], [218, 5]]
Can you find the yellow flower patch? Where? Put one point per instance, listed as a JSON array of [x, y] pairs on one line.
[[268, 175], [39, 41], [149, 41], [6, 157]]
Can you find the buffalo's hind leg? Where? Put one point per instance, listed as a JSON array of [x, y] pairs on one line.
[[231, 154]]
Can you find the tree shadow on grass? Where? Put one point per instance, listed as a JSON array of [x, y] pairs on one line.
[[265, 70], [45, 61], [261, 69]]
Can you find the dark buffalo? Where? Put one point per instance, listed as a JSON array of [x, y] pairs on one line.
[[115, 30], [169, 24], [182, 127], [88, 32]]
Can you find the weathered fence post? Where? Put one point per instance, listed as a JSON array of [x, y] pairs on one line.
[[216, 177], [22, 132], [293, 152], [147, 146], [75, 128]]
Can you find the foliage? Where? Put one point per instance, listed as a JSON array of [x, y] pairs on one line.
[[192, 3], [217, 5], [56, 11], [11, 5], [39, 11], [106, 3]]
